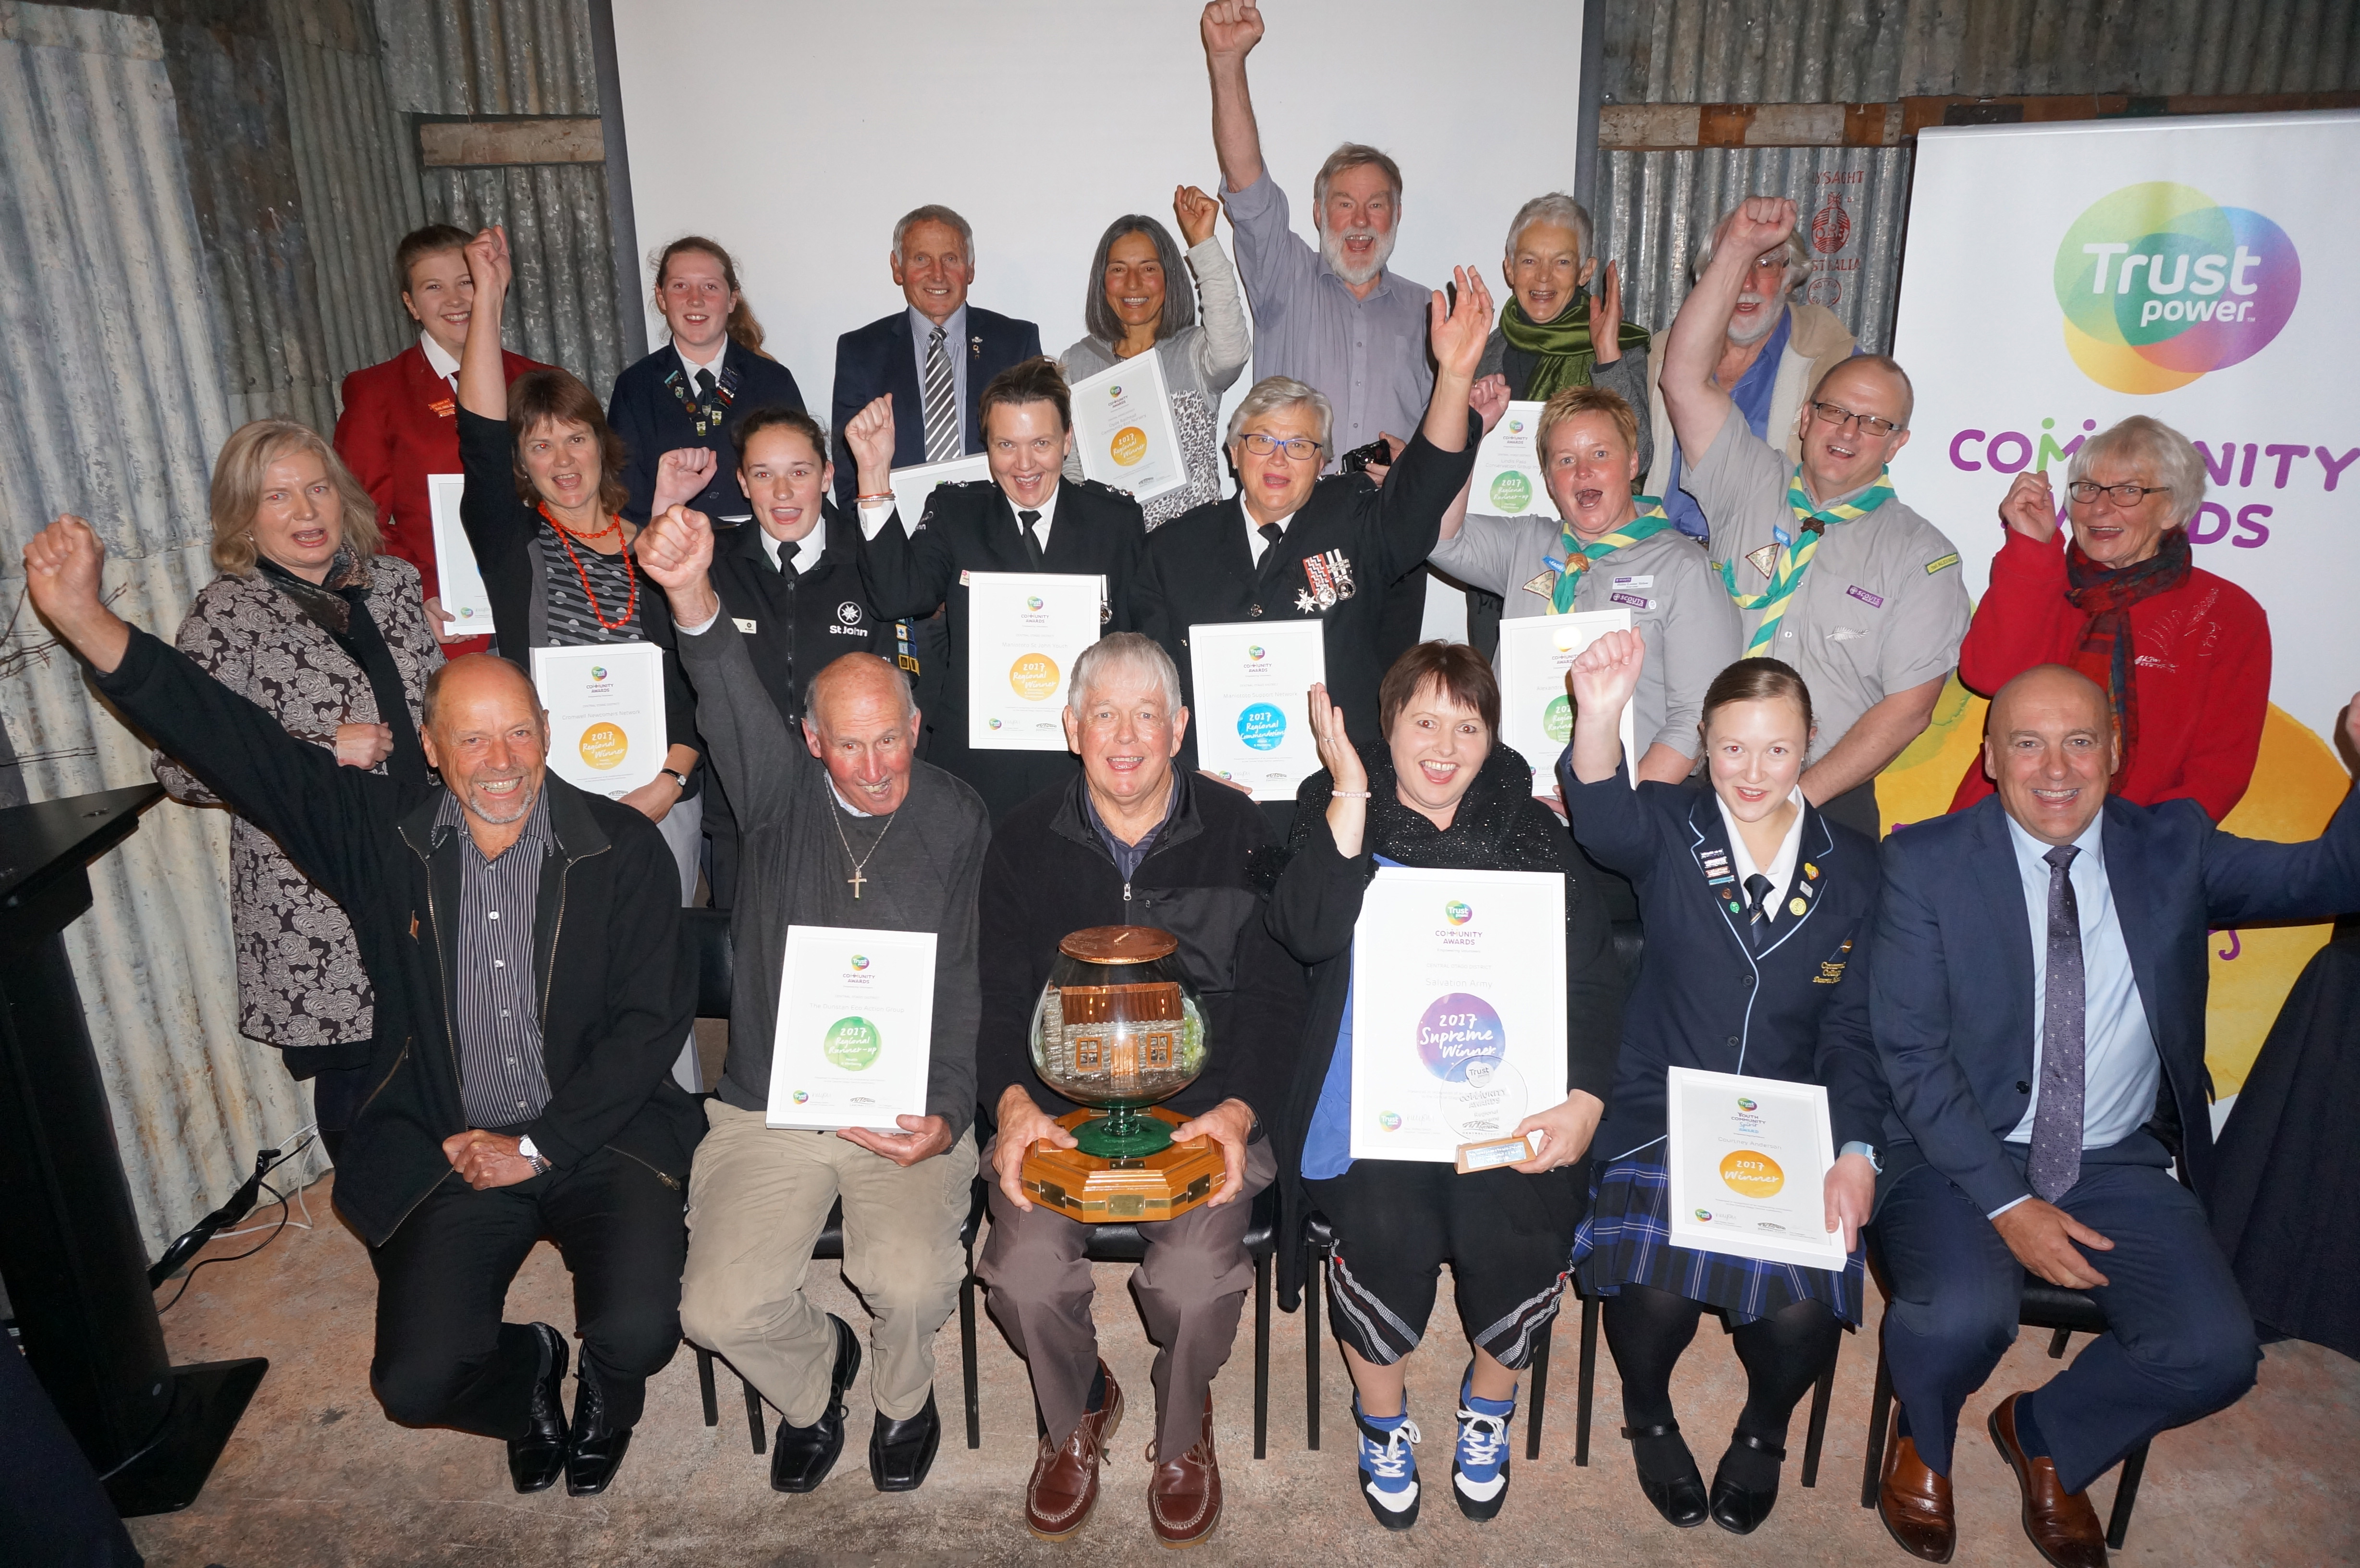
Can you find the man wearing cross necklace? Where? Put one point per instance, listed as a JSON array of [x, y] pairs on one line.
[[840, 825]]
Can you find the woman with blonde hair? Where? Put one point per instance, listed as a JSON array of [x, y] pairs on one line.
[[308, 621]]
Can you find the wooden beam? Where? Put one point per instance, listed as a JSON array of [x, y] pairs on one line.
[[510, 140], [1683, 127]]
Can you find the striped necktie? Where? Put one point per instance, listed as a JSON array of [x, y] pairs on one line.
[[942, 441]]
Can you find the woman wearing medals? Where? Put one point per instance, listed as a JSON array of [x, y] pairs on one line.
[[1757, 909]]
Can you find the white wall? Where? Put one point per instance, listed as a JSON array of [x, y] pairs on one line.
[[797, 133]]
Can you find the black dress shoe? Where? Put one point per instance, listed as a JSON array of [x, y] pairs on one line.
[[598, 1445], [804, 1455], [538, 1459], [1680, 1500], [1739, 1509], [902, 1451]]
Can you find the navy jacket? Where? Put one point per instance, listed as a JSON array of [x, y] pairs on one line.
[[1798, 1011], [650, 412], [879, 359], [1951, 995]]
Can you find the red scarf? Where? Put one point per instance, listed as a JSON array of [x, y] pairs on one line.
[[2107, 596]]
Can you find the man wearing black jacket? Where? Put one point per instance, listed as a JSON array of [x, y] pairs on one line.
[[1130, 841], [523, 937]]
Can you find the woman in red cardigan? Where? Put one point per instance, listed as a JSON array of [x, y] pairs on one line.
[[2184, 656]]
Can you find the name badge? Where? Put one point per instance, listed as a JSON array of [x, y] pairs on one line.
[[743, 624], [1646, 581], [1865, 598]]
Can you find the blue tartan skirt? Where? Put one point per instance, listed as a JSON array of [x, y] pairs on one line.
[[1626, 1240]]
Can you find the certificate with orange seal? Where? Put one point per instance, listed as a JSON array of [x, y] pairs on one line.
[[1749, 1161], [607, 727], [1024, 629], [1124, 429]]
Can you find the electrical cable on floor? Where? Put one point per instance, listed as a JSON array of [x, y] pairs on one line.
[[241, 1202]]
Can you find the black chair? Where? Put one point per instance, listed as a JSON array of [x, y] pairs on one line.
[[1821, 1392], [2061, 1312], [708, 932]]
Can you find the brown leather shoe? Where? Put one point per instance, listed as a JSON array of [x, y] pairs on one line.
[[1184, 1494], [1065, 1484], [1914, 1504], [2062, 1525]]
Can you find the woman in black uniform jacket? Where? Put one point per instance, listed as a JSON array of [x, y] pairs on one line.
[[1439, 791], [1757, 910]]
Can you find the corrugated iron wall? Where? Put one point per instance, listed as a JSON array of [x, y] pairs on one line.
[[1653, 207]]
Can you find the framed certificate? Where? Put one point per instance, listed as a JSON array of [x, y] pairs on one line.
[[1535, 711], [1024, 629], [1124, 429], [856, 1028], [1458, 1008], [458, 582], [1253, 721], [607, 727], [913, 484], [1749, 1161], [1508, 482]]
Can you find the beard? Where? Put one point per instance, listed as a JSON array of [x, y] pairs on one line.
[[1764, 322], [499, 812], [1331, 251]]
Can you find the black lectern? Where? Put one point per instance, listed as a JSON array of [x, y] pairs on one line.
[[69, 1248]]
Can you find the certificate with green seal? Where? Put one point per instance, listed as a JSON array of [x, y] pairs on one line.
[[856, 1028]]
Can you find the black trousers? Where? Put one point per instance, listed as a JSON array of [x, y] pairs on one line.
[[444, 1357]]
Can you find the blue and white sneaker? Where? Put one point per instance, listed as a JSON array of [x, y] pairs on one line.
[[1478, 1466], [1389, 1468]]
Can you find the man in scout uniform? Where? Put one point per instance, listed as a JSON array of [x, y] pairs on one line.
[[1829, 570]]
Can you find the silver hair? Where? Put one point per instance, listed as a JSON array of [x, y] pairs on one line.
[[2170, 461], [1273, 393], [936, 213], [901, 685], [1557, 208], [1799, 256], [1125, 651], [1351, 155]]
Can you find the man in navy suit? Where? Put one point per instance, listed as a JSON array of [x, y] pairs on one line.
[[935, 358], [2038, 1005]]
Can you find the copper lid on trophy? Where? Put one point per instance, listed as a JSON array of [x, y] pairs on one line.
[[1119, 944]]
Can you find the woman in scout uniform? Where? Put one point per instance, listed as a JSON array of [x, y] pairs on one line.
[[1757, 909]]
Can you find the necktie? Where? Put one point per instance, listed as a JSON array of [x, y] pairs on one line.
[[942, 436], [2056, 1162], [703, 386], [1025, 521], [1757, 909], [1272, 534]]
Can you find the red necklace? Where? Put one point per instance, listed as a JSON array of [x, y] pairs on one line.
[[564, 537]]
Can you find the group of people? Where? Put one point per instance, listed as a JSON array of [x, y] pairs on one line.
[[486, 977]]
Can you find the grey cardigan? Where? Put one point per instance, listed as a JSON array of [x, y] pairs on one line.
[[1626, 377]]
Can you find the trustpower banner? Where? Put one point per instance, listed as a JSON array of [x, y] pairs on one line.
[[2202, 270]]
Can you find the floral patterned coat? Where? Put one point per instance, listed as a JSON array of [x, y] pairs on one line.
[[300, 981]]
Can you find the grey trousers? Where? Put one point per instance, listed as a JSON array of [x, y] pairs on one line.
[[1190, 1290], [683, 833]]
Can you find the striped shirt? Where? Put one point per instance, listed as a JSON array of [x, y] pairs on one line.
[[572, 621], [502, 1080]]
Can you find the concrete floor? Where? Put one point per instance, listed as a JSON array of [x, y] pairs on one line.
[[316, 1477]]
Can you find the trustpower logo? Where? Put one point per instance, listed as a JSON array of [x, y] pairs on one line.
[[2161, 284], [1457, 913]]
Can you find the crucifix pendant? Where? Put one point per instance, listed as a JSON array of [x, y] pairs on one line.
[[855, 879]]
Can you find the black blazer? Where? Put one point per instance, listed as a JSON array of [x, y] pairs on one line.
[[972, 528], [1704, 1000], [879, 359], [1349, 541], [796, 626], [649, 411]]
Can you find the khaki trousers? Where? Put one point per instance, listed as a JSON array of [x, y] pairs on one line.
[[758, 1197]]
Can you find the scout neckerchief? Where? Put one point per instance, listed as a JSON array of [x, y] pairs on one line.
[[1574, 557], [1790, 561]]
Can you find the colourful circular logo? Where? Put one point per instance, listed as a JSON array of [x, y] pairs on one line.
[[803, 1096], [1556, 719], [994, 724], [1744, 1104], [1515, 427], [1130, 445], [1262, 726], [1033, 677], [1389, 1120], [1510, 492], [1253, 650], [598, 673], [1750, 1174], [1033, 601], [604, 746], [1457, 913], [2160, 284], [851, 1043], [1456, 1030], [860, 961], [1705, 1214]]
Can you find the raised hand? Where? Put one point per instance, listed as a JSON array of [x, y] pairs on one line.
[[1230, 28], [1196, 212], [682, 474], [1605, 675], [2030, 508], [676, 548], [1336, 752], [1459, 334], [61, 570], [869, 435], [1606, 316], [1760, 223], [1489, 400], [488, 264]]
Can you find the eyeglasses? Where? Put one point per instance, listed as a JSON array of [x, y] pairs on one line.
[[1837, 414], [2088, 490], [1301, 449]]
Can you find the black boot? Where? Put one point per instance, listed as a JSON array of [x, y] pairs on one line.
[[536, 1459], [598, 1444], [902, 1451], [803, 1455]]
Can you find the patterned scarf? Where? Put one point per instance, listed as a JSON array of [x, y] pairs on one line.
[[1574, 557], [1793, 561], [1561, 346], [2105, 655], [329, 603]]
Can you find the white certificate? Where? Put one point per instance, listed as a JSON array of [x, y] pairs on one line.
[[856, 1028], [1024, 629], [458, 582], [1458, 1008], [1253, 721], [913, 484], [1749, 1162], [1124, 429], [1536, 711], [607, 733], [1508, 481]]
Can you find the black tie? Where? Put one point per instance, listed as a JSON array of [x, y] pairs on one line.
[[1273, 534], [704, 386], [1031, 541], [1757, 922]]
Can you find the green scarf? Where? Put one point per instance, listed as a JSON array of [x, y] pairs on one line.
[[1561, 345], [1574, 557], [1793, 561]]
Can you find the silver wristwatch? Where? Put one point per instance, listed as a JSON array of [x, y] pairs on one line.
[[532, 1157]]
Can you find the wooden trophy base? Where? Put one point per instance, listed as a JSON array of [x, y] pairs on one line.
[[1097, 1191]]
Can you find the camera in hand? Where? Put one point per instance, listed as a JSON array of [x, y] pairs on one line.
[[1357, 460]]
